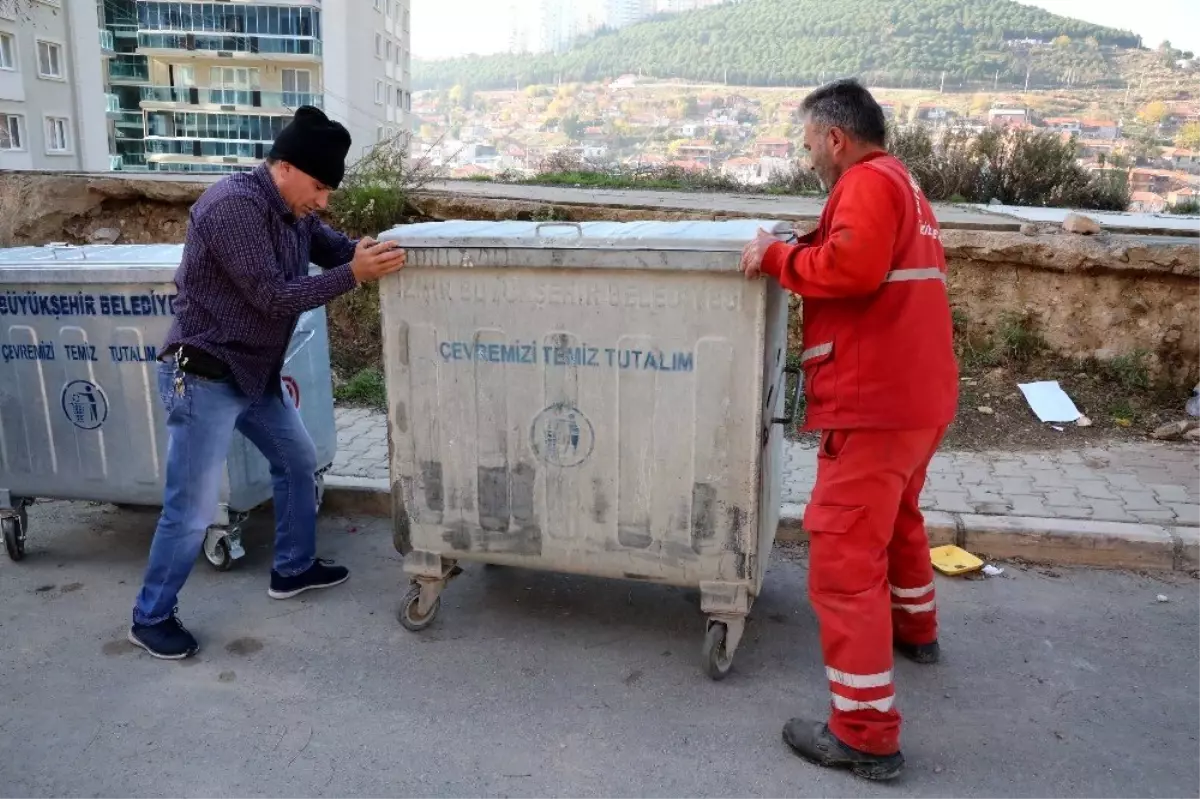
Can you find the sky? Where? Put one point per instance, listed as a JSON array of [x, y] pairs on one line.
[[444, 28]]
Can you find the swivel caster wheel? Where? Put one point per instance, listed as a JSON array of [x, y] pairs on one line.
[[320, 490], [717, 659], [218, 555], [14, 528], [222, 547], [410, 615]]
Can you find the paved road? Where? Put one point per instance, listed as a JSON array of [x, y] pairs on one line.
[[1146, 482], [1066, 683]]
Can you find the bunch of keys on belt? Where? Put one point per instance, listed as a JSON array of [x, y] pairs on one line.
[[179, 375]]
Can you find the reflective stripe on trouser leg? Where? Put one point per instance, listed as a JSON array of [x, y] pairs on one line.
[[914, 600], [851, 692]]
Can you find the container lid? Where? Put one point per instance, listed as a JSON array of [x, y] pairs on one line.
[[65, 264], [686, 236], [92, 255]]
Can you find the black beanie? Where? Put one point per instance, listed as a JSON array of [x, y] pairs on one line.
[[314, 144]]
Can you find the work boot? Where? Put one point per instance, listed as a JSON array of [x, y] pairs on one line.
[[322, 574], [813, 741], [925, 654]]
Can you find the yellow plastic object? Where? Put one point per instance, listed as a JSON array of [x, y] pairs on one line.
[[952, 560]]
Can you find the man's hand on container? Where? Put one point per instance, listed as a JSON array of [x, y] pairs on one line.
[[376, 259], [754, 252]]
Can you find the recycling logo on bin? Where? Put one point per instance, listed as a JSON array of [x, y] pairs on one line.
[[293, 389], [85, 404], [562, 436]]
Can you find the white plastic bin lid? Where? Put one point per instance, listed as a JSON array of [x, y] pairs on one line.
[[688, 236], [90, 263]]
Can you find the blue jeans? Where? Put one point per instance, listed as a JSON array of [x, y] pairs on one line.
[[201, 420]]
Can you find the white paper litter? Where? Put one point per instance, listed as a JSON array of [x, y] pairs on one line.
[[992, 571], [1049, 401]]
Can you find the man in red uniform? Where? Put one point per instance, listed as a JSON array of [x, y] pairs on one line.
[[882, 386]]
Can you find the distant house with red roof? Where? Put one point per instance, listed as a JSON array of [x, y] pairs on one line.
[[1147, 202], [772, 147]]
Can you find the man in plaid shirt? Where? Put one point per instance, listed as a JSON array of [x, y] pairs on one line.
[[242, 286]]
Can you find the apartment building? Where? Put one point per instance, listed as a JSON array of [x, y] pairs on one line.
[[54, 112], [206, 86]]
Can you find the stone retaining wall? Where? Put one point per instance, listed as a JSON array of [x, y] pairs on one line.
[[1101, 296]]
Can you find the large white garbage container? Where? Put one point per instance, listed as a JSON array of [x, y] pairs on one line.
[[598, 398], [80, 415]]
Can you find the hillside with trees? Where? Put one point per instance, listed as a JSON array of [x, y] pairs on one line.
[[894, 43]]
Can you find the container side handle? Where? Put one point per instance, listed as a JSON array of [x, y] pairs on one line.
[[55, 247], [298, 344], [790, 419], [537, 231]]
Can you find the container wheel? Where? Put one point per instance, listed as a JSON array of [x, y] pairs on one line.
[[320, 486], [14, 534], [718, 661], [216, 551], [408, 615]]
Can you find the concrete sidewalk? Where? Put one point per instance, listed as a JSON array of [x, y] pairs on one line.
[[1134, 505]]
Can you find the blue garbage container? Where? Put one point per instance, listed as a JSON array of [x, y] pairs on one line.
[[80, 415]]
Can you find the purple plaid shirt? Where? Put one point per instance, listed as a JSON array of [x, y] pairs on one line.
[[244, 278]]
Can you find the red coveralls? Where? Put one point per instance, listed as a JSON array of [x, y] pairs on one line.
[[882, 385]]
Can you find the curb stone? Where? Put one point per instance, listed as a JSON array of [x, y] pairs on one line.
[[354, 496], [1068, 542]]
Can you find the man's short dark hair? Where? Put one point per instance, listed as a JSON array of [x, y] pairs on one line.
[[846, 104]]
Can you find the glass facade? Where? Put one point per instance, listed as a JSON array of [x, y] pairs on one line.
[[128, 67], [230, 27], [175, 166], [253, 98], [226, 127]]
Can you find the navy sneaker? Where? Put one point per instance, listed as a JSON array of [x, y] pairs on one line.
[[167, 640], [322, 574]]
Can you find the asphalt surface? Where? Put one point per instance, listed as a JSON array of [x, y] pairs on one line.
[[1054, 683]]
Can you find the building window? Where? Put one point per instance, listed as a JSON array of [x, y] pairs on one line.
[[10, 132], [388, 57], [399, 97], [50, 60], [8, 51], [379, 133], [233, 78], [399, 55], [379, 45], [58, 135], [378, 4], [379, 92], [185, 74], [297, 87]]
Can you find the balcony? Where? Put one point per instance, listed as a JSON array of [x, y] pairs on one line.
[[130, 120], [226, 45], [229, 99], [128, 69], [201, 167], [107, 43], [112, 106], [124, 31], [208, 148]]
